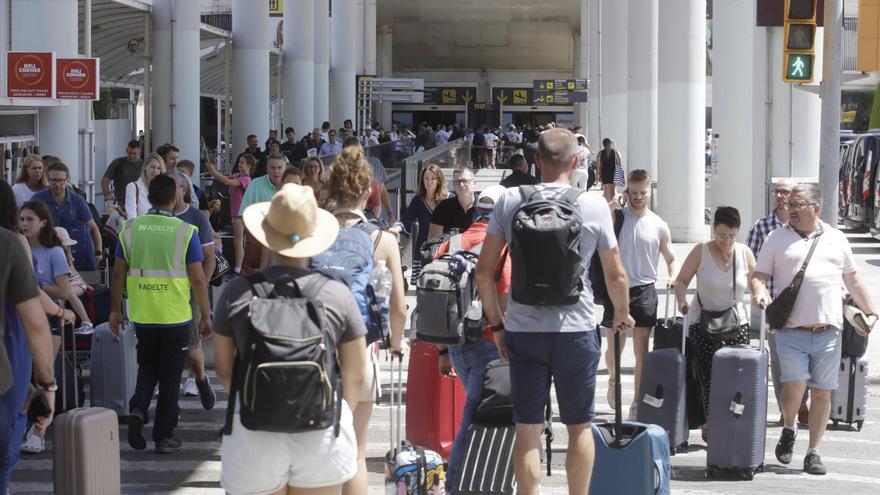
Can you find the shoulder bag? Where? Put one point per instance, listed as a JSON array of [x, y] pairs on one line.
[[723, 324], [780, 309]]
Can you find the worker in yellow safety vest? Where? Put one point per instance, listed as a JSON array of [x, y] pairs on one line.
[[158, 261]]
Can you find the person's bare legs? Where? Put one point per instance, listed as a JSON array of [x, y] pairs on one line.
[[579, 459], [324, 490], [792, 393], [820, 409], [609, 353], [527, 458], [238, 242], [359, 484], [195, 361], [608, 191], [77, 306], [640, 348]]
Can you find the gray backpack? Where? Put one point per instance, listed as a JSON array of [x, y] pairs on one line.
[[450, 311]]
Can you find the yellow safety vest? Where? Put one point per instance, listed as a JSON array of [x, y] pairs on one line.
[[158, 284]]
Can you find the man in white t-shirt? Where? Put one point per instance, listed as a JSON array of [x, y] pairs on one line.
[[644, 236], [808, 346], [442, 135]]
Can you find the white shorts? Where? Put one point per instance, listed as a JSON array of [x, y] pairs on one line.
[[260, 462]]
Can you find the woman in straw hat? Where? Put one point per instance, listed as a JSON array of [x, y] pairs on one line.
[[349, 181], [318, 462]]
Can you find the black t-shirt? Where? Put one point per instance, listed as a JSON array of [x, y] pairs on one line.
[[451, 215], [519, 178]]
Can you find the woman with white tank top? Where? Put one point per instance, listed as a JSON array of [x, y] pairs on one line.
[[722, 267]]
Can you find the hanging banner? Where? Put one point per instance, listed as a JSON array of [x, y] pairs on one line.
[[30, 74], [77, 78]]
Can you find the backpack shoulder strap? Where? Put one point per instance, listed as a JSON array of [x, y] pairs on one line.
[[618, 221], [571, 194], [258, 284], [527, 192], [312, 288]]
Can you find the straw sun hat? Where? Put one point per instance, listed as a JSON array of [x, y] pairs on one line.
[[291, 224]]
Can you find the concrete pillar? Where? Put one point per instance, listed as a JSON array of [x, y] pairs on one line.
[[250, 72], [4, 44], [176, 77], [794, 116], [384, 66], [33, 30], [832, 80], [343, 26], [642, 52], [581, 52], [682, 109], [592, 29], [322, 63], [369, 37], [740, 123], [358, 36], [614, 74], [299, 66]]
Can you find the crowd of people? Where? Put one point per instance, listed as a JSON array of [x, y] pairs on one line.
[[324, 193]]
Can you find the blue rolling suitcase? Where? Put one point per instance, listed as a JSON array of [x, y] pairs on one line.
[[631, 458]]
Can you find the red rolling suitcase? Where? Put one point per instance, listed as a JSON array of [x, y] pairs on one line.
[[433, 403]]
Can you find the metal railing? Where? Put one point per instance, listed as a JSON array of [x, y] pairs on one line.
[[449, 155]]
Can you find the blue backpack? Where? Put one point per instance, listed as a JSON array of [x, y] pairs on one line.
[[350, 261]]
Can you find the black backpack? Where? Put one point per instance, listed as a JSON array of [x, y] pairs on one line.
[[287, 377], [545, 249], [597, 273]]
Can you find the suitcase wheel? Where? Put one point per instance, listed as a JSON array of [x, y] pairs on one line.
[[834, 424], [713, 472], [747, 475], [859, 425], [681, 448]]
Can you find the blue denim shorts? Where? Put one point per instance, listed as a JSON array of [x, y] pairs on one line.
[[569, 359], [814, 357]]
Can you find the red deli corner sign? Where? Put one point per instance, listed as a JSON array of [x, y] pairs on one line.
[[29, 74], [77, 78]]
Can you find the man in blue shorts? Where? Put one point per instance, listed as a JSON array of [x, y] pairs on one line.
[[553, 342]]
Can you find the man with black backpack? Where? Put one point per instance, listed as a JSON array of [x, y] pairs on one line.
[[548, 332], [289, 346]]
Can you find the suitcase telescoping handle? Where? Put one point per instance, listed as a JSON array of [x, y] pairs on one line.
[[618, 407], [396, 388], [762, 332]]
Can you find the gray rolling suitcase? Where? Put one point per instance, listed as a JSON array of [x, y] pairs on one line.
[[849, 401], [114, 368], [662, 390], [738, 410], [86, 452]]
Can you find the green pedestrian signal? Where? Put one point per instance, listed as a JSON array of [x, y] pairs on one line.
[[798, 67]]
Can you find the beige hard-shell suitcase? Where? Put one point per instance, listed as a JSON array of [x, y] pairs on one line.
[[87, 452]]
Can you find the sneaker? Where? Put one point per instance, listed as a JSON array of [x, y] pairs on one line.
[[785, 447], [85, 329], [813, 464], [33, 443], [189, 388], [610, 395], [136, 430], [206, 393], [168, 446], [633, 411]]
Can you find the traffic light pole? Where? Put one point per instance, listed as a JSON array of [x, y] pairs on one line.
[[829, 149]]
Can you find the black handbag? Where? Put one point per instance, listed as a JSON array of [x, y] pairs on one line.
[[723, 324], [220, 269], [780, 309]]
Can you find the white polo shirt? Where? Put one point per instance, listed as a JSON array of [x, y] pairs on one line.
[[819, 301]]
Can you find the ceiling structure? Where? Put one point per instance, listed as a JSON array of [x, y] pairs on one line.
[[481, 34]]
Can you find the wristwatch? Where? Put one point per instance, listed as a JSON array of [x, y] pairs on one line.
[[48, 387]]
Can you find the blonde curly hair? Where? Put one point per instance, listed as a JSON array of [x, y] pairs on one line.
[[349, 177]]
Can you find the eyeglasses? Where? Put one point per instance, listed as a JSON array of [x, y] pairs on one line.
[[783, 192], [796, 206], [727, 237], [58, 181], [461, 182]]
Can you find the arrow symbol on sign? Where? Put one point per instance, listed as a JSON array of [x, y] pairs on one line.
[[467, 96], [502, 97]]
